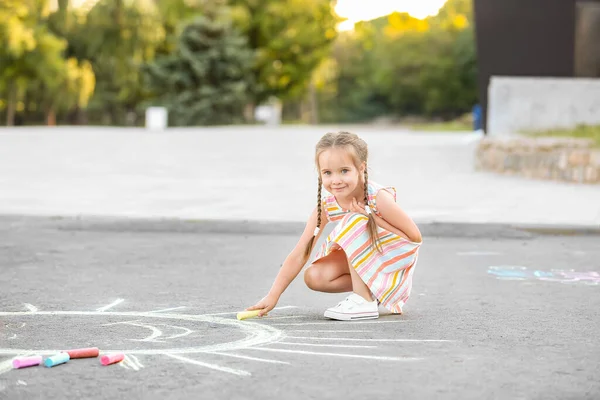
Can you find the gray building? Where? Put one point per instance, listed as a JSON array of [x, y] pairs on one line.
[[536, 38]]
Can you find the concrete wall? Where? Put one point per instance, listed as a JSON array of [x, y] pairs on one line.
[[521, 103], [531, 38]]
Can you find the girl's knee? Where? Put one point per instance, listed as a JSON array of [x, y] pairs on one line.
[[313, 277]]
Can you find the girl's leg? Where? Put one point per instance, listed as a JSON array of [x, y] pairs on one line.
[[329, 274], [333, 274]]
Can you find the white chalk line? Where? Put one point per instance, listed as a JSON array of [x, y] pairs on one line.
[[367, 340], [238, 372], [120, 322], [338, 354], [31, 307], [136, 360], [255, 334], [340, 323], [249, 358], [152, 338], [187, 332], [155, 331], [111, 305], [327, 345], [169, 309], [6, 366], [130, 362]]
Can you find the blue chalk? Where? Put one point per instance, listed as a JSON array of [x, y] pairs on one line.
[[56, 359]]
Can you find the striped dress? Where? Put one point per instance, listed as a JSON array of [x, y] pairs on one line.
[[387, 274]]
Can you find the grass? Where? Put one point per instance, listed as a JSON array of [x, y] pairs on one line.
[[580, 132], [449, 126], [460, 124]]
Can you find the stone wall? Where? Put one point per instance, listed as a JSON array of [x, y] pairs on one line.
[[562, 159], [520, 104]]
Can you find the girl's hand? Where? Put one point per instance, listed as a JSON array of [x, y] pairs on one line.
[[265, 305], [358, 206]]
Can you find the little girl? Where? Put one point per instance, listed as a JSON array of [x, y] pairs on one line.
[[372, 251]]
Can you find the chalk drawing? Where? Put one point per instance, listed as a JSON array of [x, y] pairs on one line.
[[341, 355], [165, 329], [5, 366], [131, 362], [30, 307], [169, 309], [329, 345], [111, 305], [155, 331], [368, 340], [519, 273]]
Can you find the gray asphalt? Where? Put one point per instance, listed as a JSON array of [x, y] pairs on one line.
[[150, 288]]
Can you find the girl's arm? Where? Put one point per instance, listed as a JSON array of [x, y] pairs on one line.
[[292, 265], [396, 217]]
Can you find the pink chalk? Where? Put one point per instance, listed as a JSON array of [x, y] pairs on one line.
[[82, 353], [22, 362], [112, 358]]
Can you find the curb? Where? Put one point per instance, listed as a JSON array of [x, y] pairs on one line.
[[248, 227]]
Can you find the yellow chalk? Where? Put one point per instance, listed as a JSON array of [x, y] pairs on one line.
[[247, 314]]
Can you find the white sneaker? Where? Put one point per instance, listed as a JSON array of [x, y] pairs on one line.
[[352, 308]]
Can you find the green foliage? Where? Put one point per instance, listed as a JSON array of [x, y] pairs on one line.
[[207, 80], [118, 37], [175, 14], [31, 57], [400, 65], [92, 60], [580, 132], [290, 37]]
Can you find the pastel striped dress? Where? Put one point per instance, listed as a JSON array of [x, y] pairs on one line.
[[387, 274]]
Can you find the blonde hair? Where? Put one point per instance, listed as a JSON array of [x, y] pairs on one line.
[[358, 149]]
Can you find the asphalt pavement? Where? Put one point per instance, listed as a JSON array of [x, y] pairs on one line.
[[509, 314]]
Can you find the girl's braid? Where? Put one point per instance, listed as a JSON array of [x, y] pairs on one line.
[[366, 187], [311, 242], [319, 205], [371, 224]]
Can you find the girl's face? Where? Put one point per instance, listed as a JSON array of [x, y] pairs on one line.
[[339, 175]]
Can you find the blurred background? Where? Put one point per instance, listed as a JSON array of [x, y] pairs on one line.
[[215, 62]]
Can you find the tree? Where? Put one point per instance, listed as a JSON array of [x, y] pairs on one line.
[[118, 37], [290, 37], [175, 14], [208, 79], [29, 52]]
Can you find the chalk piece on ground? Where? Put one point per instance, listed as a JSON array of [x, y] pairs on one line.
[[56, 359], [83, 353], [22, 362], [112, 358], [247, 314]]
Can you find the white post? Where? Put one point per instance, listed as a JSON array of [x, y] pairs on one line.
[[156, 118]]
